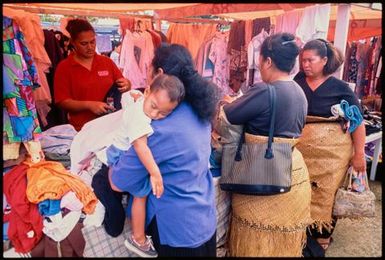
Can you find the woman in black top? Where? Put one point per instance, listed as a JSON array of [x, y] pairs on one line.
[[319, 60], [272, 225]]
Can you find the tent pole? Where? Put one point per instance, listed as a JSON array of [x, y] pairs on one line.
[[341, 32]]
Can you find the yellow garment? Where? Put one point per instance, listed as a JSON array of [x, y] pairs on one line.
[[11, 151], [190, 35], [265, 226], [50, 180], [327, 151]]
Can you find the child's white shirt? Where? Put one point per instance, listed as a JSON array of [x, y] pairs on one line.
[[120, 128]]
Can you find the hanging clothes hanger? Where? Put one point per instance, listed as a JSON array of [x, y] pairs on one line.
[[138, 26]]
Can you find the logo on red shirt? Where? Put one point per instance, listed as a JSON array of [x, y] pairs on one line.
[[103, 73]]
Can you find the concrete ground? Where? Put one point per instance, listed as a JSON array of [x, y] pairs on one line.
[[359, 238]]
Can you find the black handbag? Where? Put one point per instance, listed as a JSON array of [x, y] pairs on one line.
[[258, 168]]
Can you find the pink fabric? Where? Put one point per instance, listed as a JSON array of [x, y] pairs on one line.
[[207, 72], [156, 39], [71, 202], [146, 24], [131, 69], [126, 23], [200, 58], [288, 22], [248, 31], [218, 55], [143, 40]]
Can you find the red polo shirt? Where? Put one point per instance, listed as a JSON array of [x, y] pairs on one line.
[[73, 81]]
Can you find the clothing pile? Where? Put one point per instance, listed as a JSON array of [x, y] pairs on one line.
[[372, 121], [45, 206], [56, 143]]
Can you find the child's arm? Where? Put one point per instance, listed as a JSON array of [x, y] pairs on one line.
[[145, 156]]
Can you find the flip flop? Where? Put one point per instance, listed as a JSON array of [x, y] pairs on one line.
[[325, 245]]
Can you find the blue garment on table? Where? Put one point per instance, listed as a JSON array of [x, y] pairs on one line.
[[49, 207], [58, 139], [5, 230], [352, 114], [181, 148]]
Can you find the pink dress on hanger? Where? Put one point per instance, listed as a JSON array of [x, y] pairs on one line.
[[131, 69], [218, 55]]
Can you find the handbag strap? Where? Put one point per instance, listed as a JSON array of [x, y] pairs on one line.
[[347, 184], [269, 152], [349, 187]]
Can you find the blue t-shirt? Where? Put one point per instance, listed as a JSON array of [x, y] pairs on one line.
[[185, 213]]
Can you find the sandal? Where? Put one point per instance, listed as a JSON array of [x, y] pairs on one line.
[[325, 245]]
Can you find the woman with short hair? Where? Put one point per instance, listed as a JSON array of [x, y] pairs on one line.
[[83, 79]]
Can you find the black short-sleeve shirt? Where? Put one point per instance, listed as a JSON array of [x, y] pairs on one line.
[[331, 92], [253, 110]]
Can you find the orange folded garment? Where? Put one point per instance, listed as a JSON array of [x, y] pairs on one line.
[[50, 180]]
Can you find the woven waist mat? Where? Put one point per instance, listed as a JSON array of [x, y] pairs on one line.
[[285, 212], [327, 151]]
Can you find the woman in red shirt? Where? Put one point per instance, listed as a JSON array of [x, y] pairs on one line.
[[84, 78]]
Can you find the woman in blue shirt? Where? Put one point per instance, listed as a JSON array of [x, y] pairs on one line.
[[183, 221]]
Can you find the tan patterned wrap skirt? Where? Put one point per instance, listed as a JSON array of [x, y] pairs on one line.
[[327, 151], [272, 225]]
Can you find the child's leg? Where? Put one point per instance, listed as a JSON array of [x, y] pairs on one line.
[[138, 218]]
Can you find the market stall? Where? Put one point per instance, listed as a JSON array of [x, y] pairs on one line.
[[231, 37]]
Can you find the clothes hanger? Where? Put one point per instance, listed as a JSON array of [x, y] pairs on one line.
[[138, 27]]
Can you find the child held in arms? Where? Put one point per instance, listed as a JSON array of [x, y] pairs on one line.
[[133, 129]]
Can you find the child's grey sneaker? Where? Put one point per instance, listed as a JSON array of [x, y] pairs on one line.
[[145, 250]]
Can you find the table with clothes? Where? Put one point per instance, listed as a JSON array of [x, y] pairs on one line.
[[373, 140], [49, 211]]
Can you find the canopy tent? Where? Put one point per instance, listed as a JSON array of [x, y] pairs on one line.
[[365, 19], [93, 9], [357, 12]]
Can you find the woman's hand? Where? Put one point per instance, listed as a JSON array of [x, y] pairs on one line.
[[358, 162], [99, 108], [228, 99], [124, 85]]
